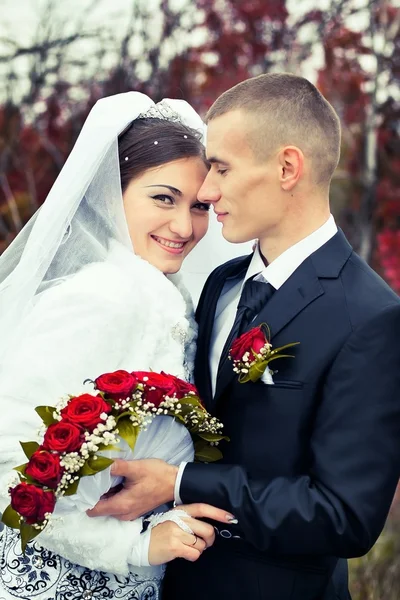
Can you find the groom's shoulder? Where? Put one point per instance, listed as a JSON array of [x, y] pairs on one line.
[[365, 291]]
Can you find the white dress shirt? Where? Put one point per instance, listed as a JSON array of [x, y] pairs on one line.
[[276, 273]]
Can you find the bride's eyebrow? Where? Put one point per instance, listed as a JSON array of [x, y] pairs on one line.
[[169, 187]]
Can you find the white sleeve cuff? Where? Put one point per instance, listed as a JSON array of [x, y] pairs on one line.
[[178, 480], [139, 556]]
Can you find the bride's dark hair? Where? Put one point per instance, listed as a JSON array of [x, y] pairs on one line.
[[151, 142]]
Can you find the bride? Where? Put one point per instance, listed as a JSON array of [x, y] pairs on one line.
[[89, 286]]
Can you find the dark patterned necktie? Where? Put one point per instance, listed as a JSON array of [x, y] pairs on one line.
[[255, 295]]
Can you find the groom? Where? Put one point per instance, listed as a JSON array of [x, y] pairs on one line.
[[314, 456]]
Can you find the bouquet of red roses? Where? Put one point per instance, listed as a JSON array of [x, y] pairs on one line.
[[79, 428]]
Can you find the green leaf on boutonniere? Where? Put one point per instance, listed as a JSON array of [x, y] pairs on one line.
[[11, 518], [72, 489], [128, 432], [29, 448], [28, 533], [46, 414], [277, 350]]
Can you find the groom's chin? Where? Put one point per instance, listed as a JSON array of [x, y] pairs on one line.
[[235, 237]]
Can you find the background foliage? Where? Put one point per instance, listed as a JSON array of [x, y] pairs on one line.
[[195, 50]]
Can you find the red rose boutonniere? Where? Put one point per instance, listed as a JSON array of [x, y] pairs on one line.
[[252, 352]]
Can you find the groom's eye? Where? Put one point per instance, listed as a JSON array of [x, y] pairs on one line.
[[202, 206]]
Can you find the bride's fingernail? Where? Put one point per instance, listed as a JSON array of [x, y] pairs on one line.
[[232, 519]]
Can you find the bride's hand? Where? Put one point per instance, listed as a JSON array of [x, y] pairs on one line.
[[168, 541]]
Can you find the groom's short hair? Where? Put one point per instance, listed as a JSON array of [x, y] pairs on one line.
[[286, 110]]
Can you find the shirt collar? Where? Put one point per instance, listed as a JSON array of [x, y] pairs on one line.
[[277, 272]]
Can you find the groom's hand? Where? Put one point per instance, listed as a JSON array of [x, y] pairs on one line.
[[148, 484]]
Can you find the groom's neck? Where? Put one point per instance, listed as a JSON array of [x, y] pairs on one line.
[[289, 232]]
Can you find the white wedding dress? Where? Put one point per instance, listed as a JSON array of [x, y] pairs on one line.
[[76, 557]]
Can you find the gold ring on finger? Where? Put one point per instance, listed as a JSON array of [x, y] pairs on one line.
[[195, 540]]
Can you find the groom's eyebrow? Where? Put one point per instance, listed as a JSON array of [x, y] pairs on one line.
[[214, 159], [169, 187]]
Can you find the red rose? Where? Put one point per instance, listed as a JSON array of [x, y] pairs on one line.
[[63, 437], [117, 385], [251, 340], [184, 388], [85, 411], [32, 502], [45, 468], [165, 385]]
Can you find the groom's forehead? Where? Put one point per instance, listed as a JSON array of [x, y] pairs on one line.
[[224, 132]]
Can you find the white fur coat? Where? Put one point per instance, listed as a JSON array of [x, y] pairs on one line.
[[120, 314]]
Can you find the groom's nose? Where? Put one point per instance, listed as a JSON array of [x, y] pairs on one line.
[[209, 191]]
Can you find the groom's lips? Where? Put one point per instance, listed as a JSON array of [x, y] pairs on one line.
[[221, 215]]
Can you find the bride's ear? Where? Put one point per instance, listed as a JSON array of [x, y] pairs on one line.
[[291, 164]]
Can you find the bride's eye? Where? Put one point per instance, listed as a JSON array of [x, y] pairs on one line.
[[164, 199]]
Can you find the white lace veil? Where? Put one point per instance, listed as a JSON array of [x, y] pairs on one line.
[[84, 212]]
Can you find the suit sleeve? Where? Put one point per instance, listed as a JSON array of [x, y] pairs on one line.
[[339, 507]]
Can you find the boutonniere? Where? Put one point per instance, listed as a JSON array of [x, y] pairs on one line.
[[252, 352]]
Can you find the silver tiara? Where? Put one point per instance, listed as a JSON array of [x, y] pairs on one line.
[[161, 111]]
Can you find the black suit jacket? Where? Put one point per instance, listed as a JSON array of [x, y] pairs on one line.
[[313, 460]]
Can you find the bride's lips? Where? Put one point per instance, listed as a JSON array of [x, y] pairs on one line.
[[161, 242]]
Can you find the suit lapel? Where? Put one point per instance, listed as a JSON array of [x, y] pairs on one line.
[[302, 288], [206, 315]]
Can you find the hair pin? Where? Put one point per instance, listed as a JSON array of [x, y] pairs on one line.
[[185, 136], [155, 143], [126, 157]]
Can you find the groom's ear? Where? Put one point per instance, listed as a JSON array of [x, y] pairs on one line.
[[291, 165]]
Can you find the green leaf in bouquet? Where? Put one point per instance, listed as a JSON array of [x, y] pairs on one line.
[[126, 413], [95, 464], [203, 452], [128, 432], [29, 448], [72, 488], [99, 463], [190, 401], [11, 518], [180, 418], [212, 437], [28, 533], [104, 447], [46, 414], [21, 468], [86, 470]]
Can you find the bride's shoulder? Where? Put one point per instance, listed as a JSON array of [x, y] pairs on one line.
[[121, 278]]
